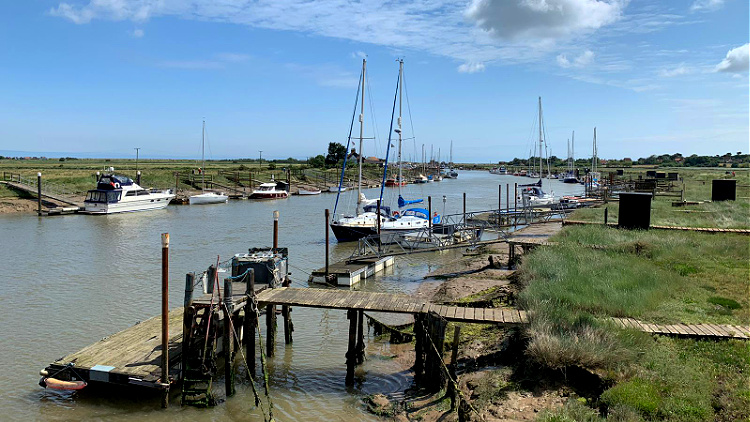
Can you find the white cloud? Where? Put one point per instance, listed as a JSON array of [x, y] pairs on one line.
[[680, 70], [706, 5], [583, 60], [543, 19], [359, 55], [233, 57], [737, 60], [471, 68], [136, 10], [137, 33]]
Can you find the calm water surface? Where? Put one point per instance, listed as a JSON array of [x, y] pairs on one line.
[[71, 280]]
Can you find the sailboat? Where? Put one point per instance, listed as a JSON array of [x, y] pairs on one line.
[[409, 219], [570, 176], [450, 173], [348, 228], [532, 195], [206, 197]]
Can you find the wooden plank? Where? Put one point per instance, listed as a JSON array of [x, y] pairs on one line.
[[703, 330], [710, 330], [738, 332], [524, 316], [721, 330]]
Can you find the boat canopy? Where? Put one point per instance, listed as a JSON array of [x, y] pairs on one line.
[[385, 210], [111, 181], [403, 202]]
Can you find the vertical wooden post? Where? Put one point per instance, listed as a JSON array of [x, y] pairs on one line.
[[429, 212], [251, 322], [351, 315], [39, 193], [515, 205], [164, 317], [227, 339], [507, 197], [187, 318], [464, 208], [606, 212], [327, 213], [499, 200], [452, 388], [270, 330], [418, 347], [210, 279], [360, 337], [286, 312]]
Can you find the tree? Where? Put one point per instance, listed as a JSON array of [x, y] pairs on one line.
[[336, 152], [319, 161]]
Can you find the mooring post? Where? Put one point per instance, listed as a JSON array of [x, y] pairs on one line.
[[429, 212], [286, 312], [418, 347], [507, 197], [275, 230], [187, 320], [138, 177], [227, 339], [515, 205], [499, 200], [327, 242], [270, 330], [453, 388], [606, 212], [251, 321], [39, 193], [351, 315], [210, 279], [360, 337], [165, 318], [464, 208]]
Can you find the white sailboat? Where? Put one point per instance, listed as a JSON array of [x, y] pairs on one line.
[[532, 195], [206, 197]]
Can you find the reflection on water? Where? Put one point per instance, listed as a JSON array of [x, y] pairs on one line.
[[71, 280]]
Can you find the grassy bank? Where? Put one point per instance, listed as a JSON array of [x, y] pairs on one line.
[[653, 276]]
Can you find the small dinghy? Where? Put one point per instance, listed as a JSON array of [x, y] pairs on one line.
[[309, 192]]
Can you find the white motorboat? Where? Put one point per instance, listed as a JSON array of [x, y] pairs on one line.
[[337, 189], [270, 190], [308, 192], [115, 194], [534, 196], [206, 197]]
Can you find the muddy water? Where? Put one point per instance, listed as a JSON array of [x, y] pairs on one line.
[[71, 280]]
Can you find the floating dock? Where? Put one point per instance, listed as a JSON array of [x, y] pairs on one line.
[[349, 273]]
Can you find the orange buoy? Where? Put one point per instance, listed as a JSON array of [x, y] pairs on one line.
[[64, 385]]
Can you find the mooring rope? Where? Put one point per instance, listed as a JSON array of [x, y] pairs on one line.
[[263, 365], [448, 374]]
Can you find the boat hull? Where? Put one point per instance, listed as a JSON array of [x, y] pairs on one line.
[[269, 195], [153, 202], [309, 192], [208, 199], [346, 233]]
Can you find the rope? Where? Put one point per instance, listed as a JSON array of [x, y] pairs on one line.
[[258, 402], [211, 307], [263, 366], [448, 374]]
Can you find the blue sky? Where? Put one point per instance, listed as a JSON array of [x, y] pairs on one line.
[[100, 77]]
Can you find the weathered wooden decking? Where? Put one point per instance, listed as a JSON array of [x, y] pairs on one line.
[[387, 302], [692, 330], [658, 227]]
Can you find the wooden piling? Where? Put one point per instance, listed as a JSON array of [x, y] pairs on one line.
[[187, 319], [251, 322], [499, 199], [452, 388], [164, 317], [39, 194], [507, 197], [418, 347], [360, 337], [606, 212], [351, 315], [227, 339], [429, 211], [327, 213], [464, 208], [270, 330], [275, 230], [286, 312], [210, 279]]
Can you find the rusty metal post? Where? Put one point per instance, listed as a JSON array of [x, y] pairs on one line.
[[275, 230], [328, 213], [165, 317], [227, 339], [39, 193]]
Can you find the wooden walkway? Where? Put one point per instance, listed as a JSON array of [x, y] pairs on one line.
[[657, 227], [32, 190], [387, 302], [694, 330]]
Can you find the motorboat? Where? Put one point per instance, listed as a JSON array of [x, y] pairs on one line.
[[395, 182], [115, 194], [534, 196], [309, 192], [208, 198], [337, 189], [421, 179], [271, 190]]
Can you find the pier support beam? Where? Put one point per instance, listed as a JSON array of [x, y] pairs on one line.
[[39, 193], [270, 330], [227, 339], [351, 315], [286, 312], [419, 347], [251, 322], [360, 337], [187, 319]]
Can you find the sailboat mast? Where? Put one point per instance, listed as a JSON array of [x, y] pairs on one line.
[[540, 137], [451, 163], [361, 134], [593, 155], [203, 156], [573, 152], [400, 90]]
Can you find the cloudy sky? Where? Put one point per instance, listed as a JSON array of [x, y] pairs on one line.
[[104, 76]]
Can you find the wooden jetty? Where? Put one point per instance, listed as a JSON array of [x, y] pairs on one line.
[[351, 272]]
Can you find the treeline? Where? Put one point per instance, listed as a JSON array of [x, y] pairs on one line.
[[667, 160]]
